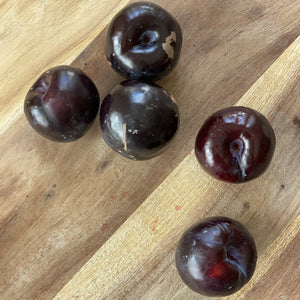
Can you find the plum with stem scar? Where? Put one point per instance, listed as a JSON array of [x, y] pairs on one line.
[[143, 41], [216, 257], [235, 144]]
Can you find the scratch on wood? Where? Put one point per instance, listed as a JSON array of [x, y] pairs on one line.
[[9, 220], [296, 121], [104, 227], [180, 291], [210, 43], [177, 207], [1, 152], [246, 205], [256, 12], [154, 225], [124, 194], [49, 195], [225, 44], [103, 166]]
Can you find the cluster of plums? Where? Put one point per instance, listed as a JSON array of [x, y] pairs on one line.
[[138, 119]]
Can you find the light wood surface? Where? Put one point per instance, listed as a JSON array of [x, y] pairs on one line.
[[60, 203]]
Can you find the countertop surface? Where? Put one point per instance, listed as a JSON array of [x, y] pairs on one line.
[[78, 221]]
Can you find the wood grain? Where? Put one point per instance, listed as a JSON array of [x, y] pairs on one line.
[[132, 264], [36, 35], [278, 269], [60, 202]]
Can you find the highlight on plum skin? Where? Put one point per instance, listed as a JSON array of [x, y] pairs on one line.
[[235, 144], [138, 119], [216, 257], [143, 41], [62, 104]]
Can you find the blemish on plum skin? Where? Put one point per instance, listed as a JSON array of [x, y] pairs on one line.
[[170, 96], [124, 136], [177, 207], [154, 225], [169, 44], [104, 227]]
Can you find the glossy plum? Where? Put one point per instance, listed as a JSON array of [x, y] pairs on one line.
[[62, 104], [143, 41], [216, 257], [138, 119], [235, 144]]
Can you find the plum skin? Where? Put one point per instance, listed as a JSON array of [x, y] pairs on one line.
[[62, 104], [216, 257], [138, 119], [235, 144], [143, 41]]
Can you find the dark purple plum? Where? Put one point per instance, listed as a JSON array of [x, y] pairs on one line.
[[143, 41], [216, 257], [62, 104], [138, 119], [235, 144]]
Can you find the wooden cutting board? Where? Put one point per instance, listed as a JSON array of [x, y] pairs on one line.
[[80, 209]]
